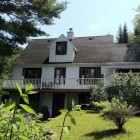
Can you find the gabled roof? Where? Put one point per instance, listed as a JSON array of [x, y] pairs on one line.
[[92, 49]]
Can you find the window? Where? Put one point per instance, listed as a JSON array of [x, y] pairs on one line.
[[33, 73], [60, 75], [90, 72], [61, 48]]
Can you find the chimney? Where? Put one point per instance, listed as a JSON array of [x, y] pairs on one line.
[[70, 34]]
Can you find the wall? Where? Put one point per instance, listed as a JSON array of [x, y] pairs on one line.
[[47, 100], [107, 72], [17, 73]]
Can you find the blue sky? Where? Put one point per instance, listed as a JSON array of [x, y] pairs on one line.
[[93, 17]]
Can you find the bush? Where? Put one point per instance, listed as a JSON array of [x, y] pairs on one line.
[[98, 92], [119, 112], [126, 86], [99, 106]]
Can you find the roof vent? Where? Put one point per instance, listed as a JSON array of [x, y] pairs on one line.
[[70, 34]]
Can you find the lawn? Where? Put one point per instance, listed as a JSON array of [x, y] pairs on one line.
[[90, 126]]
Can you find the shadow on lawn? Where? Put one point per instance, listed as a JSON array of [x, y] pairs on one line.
[[105, 133], [92, 112]]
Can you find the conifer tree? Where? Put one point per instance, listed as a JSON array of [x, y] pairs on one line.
[[119, 35], [19, 20], [125, 34], [122, 36]]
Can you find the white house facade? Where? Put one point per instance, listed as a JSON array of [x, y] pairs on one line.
[[64, 68]]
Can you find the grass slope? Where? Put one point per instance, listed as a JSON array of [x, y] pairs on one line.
[[90, 126]]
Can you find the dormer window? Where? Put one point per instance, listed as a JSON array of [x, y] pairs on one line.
[[61, 48]]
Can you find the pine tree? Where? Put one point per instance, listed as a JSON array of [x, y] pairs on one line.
[[119, 35], [125, 34], [19, 20], [122, 36]]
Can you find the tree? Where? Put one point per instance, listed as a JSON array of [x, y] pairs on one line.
[[119, 35], [134, 38], [19, 20], [122, 36], [98, 92], [6, 66], [126, 86], [125, 34]]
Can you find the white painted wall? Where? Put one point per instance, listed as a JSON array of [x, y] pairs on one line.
[[48, 72], [107, 72], [69, 57], [17, 73], [70, 97], [47, 100], [72, 72]]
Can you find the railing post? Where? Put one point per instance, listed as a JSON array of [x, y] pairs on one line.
[[41, 84]]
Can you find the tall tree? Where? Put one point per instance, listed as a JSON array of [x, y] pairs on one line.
[[134, 38], [6, 66], [125, 34], [120, 35], [19, 20]]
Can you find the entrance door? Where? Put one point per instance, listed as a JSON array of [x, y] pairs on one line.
[[58, 103]]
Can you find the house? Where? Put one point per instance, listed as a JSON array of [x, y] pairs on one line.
[[64, 68]]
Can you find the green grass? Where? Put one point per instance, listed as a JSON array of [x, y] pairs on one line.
[[90, 126]]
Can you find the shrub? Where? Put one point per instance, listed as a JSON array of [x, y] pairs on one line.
[[126, 86], [98, 92], [16, 124], [119, 112], [99, 106]]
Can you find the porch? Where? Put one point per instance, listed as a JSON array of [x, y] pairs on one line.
[[62, 83]]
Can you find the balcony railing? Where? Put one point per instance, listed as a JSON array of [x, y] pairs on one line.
[[62, 83]]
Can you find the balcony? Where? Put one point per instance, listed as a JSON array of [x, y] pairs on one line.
[[62, 83]]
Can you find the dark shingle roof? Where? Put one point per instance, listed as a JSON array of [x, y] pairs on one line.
[[93, 49]]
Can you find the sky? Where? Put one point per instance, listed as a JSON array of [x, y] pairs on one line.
[[93, 18]]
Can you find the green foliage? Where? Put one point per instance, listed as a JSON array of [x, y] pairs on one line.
[[67, 113], [99, 106], [15, 124], [6, 63], [126, 86], [134, 38], [98, 92], [19, 20], [28, 109], [118, 111], [122, 36]]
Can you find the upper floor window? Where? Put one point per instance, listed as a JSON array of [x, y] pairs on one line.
[[60, 75], [90, 72], [61, 48], [33, 73]]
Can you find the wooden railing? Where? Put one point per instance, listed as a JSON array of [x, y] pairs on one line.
[[62, 83]]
